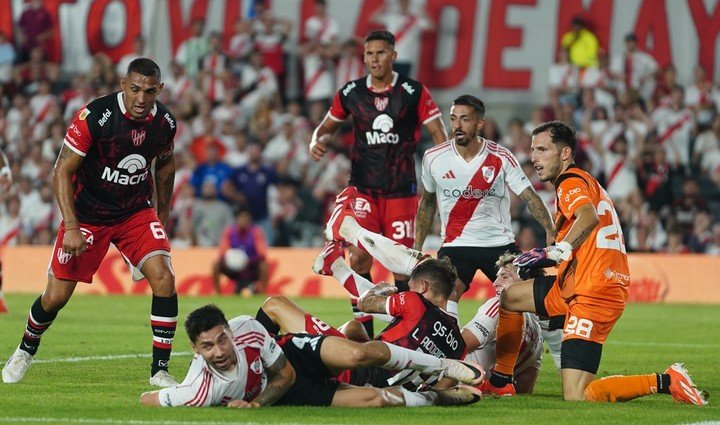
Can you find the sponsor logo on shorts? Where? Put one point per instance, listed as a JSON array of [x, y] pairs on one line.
[[89, 237], [62, 256], [362, 207]]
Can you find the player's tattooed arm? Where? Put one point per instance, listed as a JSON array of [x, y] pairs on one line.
[[164, 182], [424, 218], [281, 376], [539, 210], [67, 164], [375, 299], [586, 219]]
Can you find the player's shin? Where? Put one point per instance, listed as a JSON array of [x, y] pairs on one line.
[[417, 399], [621, 388], [396, 257], [38, 322], [163, 320], [508, 342]]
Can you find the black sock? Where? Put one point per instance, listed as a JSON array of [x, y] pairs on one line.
[[663, 383], [499, 380], [38, 322], [267, 322], [402, 285], [163, 321]]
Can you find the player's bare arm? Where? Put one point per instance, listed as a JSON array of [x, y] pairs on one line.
[[586, 219], [281, 376], [424, 218], [437, 130], [374, 300], [321, 137], [67, 164], [539, 210], [164, 182]]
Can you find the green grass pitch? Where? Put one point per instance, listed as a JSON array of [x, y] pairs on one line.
[[115, 330]]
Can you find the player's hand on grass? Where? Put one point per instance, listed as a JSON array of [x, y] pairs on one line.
[[318, 147], [242, 404], [74, 242]]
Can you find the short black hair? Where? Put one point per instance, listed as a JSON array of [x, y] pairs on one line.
[[144, 66], [381, 35], [471, 101], [631, 37], [203, 319], [560, 133], [440, 274]]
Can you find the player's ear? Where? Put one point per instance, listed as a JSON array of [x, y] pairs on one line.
[[480, 124]]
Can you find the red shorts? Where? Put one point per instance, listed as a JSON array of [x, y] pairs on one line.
[[138, 238], [315, 326], [393, 218]]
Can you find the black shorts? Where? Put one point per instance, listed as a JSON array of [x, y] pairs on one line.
[[574, 353], [313, 381], [468, 260], [373, 376]]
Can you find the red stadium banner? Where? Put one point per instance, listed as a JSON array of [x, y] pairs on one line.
[[488, 47], [685, 278]]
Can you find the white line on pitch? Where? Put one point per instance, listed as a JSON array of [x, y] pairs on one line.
[[662, 344], [101, 358], [10, 419]]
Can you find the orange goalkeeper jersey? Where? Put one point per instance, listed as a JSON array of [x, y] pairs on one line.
[[598, 269]]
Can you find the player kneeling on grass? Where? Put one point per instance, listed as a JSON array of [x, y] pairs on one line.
[[238, 364]]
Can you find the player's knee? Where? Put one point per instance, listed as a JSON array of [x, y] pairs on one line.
[[509, 299], [360, 262], [382, 398], [274, 304], [162, 281], [54, 301], [355, 331], [367, 354]]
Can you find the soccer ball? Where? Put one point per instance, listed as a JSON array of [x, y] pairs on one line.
[[236, 259]]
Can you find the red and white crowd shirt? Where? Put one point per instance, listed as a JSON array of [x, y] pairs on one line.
[[473, 200]]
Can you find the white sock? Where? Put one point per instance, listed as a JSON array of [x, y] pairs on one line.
[[394, 256], [402, 358], [415, 399], [355, 284], [452, 309]]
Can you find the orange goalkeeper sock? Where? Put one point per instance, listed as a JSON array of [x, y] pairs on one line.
[[508, 341], [621, 388]]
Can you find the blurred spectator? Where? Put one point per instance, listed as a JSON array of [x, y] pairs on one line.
[[688, 206], [675, 243], [10, 225], [285, 208], [701, 236], [714, 245], [618, 169], [30, 73], [245, 236], [654, 178], [249, 185], [214, 73], [241, 44], [662, 97], [257, 82], [706, 150], [212, 169], [138, 51], [318, 78], [675, 124], [581, 44], [407, 26], [34, 28], [350, 65], [647, 235], [270, 36], [526, 239], [210, 215], [7, 59], [562, 77], [192, 50], [635, 68]]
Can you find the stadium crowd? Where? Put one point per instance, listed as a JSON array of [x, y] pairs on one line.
[[651, 140]]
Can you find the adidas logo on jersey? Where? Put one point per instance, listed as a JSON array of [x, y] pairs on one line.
[[468, 193], [384, 123], [132, 164], [449, 175]]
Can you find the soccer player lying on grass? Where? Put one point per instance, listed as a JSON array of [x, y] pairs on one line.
[[480, 333], [238, 364]]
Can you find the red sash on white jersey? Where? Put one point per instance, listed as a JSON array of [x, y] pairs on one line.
[[566, 76], [10, 235], [314, 78], [44, 109], [409, 22], [668, 133], [615, 171], [325, 22]]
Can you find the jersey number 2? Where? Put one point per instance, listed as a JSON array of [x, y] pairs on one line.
[[610, 236]]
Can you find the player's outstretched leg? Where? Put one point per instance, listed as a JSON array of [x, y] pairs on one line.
[[163, 317], [675, 381], [352, 396], [344, 209]]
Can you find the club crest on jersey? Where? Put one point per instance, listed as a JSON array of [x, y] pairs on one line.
[[62, 256], [256, 366], [138, 136], [381, 103], [488, 173]]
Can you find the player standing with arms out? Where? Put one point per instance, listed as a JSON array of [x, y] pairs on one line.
[[104, 188], [466, 178], [388, 110], [590, 289], [5, 181]]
